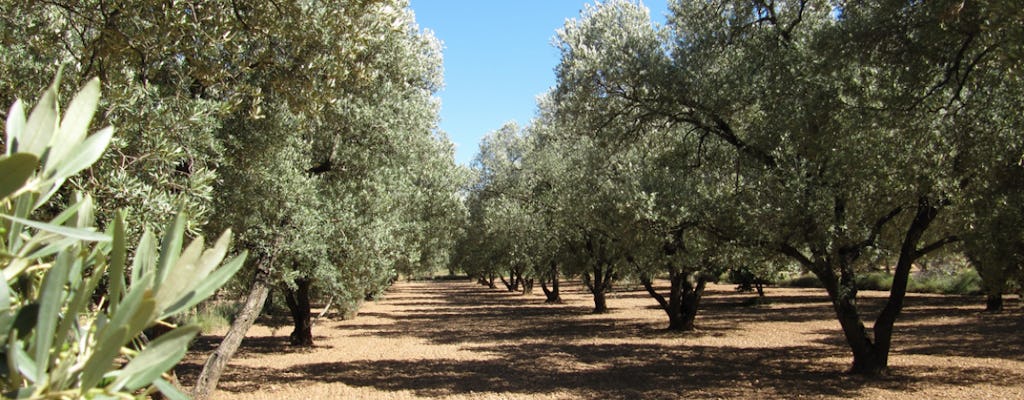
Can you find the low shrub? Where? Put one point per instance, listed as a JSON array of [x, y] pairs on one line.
[[878, 280], [965, 282], [801, 281]]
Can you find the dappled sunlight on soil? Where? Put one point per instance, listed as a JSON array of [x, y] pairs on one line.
[[459, 340]]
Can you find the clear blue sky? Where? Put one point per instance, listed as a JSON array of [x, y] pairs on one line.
[[498, 57]]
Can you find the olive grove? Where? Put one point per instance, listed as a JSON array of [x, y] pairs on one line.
[[835, 135]]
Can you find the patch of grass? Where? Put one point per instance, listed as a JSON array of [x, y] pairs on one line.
[[878, 280], [457, 277], [964, 282], [801, 281], [215, 315]]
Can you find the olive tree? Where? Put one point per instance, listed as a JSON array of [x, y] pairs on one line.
[[665, 175], [840, 132]]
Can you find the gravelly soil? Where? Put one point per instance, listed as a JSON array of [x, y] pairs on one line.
[[459, 340]]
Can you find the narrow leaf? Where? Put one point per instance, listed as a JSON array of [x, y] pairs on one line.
[[5, 295], [169, 391], [23, 363], [143, 316], [161, 354], [53, 248], [182, 276], [213, 256], [51, 296], [170, 248], [76, 120], [103, 358], [118, 255], [131, 303], [85, 215], [42, 123], [6, 322], [15, 126], [207, 286], [68, 212], [47, 189], [145, 256], [17, 169], [85, 154], [22, 208], [81, 234], [79, 303]]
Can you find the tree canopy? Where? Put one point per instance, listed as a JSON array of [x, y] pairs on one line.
[[835, 135]]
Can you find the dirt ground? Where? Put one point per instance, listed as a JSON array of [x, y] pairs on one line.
[[460, 340]]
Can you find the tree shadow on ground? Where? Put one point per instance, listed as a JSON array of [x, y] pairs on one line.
[[534, 348], [612, 371], [961, 333]]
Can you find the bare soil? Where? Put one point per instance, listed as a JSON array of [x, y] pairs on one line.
[[459, 340]]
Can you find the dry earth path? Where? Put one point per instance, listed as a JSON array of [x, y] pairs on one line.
[[459, 340]]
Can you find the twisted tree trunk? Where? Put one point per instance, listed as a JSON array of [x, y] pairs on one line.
[[871, 355], [218, 360], [683, 300], [599, 284], [298, 303], [553, 296]]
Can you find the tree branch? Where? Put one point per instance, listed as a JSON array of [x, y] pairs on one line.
[[938, 244], [876, 230], [797, 255]]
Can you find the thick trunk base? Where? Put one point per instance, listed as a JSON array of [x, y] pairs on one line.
[[551, 295], [869, 366], [527, 286], [600, 305], [298, 304], [681, 324], [994, 303]]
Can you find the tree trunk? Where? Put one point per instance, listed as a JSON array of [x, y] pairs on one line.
[[872, 357], [992, 273], [690, 301], [298, 304], [553, 296], [556, 294], [684, 298], [600, 284], [524, 285], [994, 302], [909, 253], [867, 359], [600, 305], [843, 292], [511, 286], [528, 286], [206, 383]]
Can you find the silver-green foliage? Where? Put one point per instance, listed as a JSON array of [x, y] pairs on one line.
[[60, 341]]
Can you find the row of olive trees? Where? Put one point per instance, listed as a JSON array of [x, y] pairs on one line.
[[317, 146], [747, 134]]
